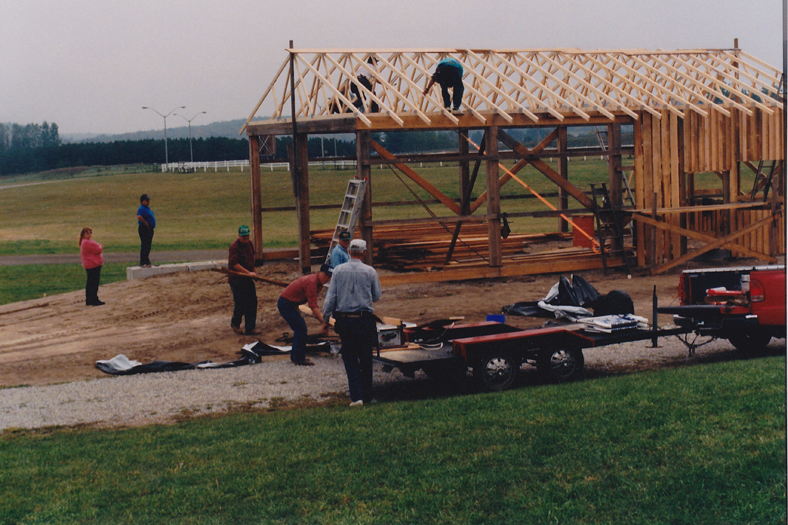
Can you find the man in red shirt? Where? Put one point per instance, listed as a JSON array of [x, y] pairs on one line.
[[303, 290], [241, 261]]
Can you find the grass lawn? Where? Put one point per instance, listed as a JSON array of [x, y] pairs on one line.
[[695, 445]]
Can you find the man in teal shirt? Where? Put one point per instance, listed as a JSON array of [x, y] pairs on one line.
[[448, 74]]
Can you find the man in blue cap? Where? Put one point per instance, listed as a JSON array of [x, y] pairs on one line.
[[448, 74], [241, 265], [340, 254]]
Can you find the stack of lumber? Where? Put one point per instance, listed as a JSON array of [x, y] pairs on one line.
[[424, 247]]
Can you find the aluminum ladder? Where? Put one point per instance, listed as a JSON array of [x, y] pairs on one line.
[[348, 215]]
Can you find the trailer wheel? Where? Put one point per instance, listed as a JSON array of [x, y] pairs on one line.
[[497, 371], [750, 341], [561, 364]]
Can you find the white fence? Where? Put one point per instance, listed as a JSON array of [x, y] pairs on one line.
[[226, 165]]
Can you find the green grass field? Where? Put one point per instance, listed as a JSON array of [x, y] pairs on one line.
[[696, 445], [44, 213]]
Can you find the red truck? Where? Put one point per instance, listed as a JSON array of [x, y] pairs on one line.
[[745, 305]]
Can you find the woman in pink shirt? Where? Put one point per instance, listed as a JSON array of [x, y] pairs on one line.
[[92, 259]]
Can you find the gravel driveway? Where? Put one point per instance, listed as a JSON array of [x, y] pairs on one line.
[[163, 397]]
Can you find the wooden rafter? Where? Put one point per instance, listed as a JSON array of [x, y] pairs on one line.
[[538, 83]]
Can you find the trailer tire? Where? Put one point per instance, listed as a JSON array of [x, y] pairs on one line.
[[561, 364], [750, 341], [497, 371]]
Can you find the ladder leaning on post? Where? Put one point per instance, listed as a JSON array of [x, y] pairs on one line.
[[348, 215]]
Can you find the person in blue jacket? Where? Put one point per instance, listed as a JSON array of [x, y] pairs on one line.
[[448, 74], [340, 254], [146, 222]]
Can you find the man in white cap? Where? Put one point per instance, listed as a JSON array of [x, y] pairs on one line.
[[354, 287]]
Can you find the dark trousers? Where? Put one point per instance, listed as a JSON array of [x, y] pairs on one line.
[[92, 285], [146, 240], [358, 336], [454, 82], [245, 299], [359, 103], [290, 313]]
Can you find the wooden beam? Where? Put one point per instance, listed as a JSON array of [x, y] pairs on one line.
[[546, 170], [418, 179], [493, 197], [556, 265], [713, 242], [256, 197]]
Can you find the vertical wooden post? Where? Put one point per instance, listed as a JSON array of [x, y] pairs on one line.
[[465, 173], [493, 198], [563, 170], [653, 259], [615, 184], [301, 157], [640, 189], [254, 180], [364, 171]]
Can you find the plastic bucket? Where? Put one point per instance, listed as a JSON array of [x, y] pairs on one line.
[[585, 223], [498, 318]]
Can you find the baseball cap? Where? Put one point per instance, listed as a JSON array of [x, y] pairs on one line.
[[327, 268], [344, 235], [358, 245], [243, 230]]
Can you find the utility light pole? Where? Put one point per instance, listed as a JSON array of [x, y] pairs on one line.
[[191, 153], [166, 153]]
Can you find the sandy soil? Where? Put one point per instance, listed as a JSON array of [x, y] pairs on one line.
[[186, 317]]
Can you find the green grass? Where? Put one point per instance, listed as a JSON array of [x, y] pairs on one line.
[[20, 283], [696, 445], [203, 210]]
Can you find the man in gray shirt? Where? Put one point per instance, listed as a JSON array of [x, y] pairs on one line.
[[354, 287]]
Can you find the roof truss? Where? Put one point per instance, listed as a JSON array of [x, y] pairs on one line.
[[534, 83]]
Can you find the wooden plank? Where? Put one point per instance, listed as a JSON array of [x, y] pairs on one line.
[[508, 270], [724, 242]]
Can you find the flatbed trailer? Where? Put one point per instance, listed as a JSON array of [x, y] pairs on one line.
[[496, 351]]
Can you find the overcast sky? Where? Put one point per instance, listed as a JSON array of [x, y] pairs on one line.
[[90, 65]]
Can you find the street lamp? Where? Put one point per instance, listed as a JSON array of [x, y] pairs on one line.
[[191, 153], [166, 153]]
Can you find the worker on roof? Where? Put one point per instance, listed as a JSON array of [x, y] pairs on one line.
[[365, 74], [448, 74]]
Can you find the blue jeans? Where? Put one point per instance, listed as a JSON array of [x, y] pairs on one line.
[[290, 313], [358, 336]]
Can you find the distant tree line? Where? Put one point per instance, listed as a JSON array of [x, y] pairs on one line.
[[37, 147]]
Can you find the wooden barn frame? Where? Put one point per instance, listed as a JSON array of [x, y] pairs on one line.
[[691, 111]]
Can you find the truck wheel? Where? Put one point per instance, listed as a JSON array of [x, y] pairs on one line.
[[561, 364], [750, 341], [497, 371]]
